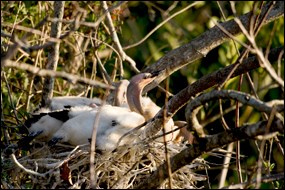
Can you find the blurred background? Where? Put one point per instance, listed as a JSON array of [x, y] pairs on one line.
[[21, 91]]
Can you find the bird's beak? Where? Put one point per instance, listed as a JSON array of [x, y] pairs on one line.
[[148, 78], [155, 73]]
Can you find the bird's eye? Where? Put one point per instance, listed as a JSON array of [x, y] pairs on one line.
[[114, 123]]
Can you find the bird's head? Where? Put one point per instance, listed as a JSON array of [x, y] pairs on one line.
[[134, 90]]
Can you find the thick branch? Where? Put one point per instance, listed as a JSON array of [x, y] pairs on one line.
[[200, 46], [244, 98], [207, 81], [53, 54], [207, 144]]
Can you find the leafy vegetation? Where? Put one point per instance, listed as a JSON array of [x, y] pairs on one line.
[[87, 45]]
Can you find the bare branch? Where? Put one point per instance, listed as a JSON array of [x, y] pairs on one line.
[[13, 49], [44, 72], [200, 46], [53, 54], [116, 40], [207, 81], [161, 24], [242, 97], [207, 144], [264, 179]]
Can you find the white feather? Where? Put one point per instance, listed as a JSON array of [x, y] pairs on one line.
[[48, 125], [113, 123], [58, 103]]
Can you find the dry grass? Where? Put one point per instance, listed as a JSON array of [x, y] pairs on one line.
[[64, 166]]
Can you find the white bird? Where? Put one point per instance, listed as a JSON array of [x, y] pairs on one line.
[[117, 96], [61, 102], [46, 121], [144, 105], [114, 121]]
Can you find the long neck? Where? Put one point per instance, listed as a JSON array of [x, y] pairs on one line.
[[149, 107], [134, 98], [120, 96]]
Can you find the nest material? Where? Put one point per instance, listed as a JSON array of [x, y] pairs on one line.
[[64, 166]]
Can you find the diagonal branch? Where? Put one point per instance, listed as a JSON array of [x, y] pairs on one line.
[[244, 98], [207, 144], [200, 46], [207, 81], [44, 72], [116, 40]]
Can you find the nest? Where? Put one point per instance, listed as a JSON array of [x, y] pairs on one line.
[[64, 166]]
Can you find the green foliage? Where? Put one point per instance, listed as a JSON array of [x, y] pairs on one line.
[[133, 21]]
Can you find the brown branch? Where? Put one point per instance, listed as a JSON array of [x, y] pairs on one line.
[[200, 46], [44, 72], [13, 48], [207, 81], [53, 54], [116, 40], [190, 113], [207, 144], [264, 179]]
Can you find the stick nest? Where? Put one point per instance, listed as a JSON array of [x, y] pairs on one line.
[[64, 166]]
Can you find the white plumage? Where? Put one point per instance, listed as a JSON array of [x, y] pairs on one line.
[[46, 121], [61, 102], [113, 123], [44, 128]]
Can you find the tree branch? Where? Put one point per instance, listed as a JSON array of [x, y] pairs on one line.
[[207, 144], [116, 40], [44, 72], [207, 81], [200, 46], [190, 113], [53, 54]]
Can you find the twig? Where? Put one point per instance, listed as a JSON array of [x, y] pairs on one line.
[[169, 172], [237, 115], [217, 116], [187, 155], [264, 179], [205, 82], [229, 94], [200, 46], [262, 147], [226, 163], [93, 176], [116, 40], [13, 49], [3, 74], [44, 72], [103, 70], [161, 24], [26, 169], [257, 51]]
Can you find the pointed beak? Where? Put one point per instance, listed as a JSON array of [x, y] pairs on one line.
[[155, 73], [147, 78]]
